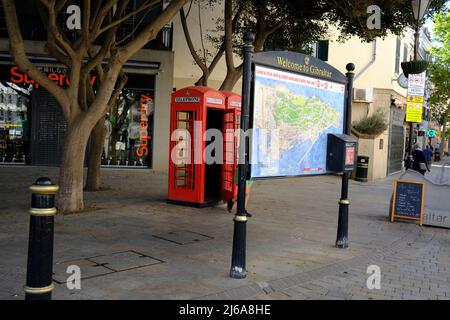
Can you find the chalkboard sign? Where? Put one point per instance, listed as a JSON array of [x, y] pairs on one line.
[[408, 200]]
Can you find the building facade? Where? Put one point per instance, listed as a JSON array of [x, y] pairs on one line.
[[32, 126], [376, 88]]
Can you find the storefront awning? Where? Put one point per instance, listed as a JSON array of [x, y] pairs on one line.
[[399, 103]]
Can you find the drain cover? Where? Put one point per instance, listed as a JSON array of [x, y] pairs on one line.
[[104, 264], [183, 237]]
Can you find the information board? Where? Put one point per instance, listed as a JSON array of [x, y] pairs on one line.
[[293, 112], [408, 200]]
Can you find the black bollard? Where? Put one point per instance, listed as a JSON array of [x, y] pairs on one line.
[[342, 229], [39, 283]]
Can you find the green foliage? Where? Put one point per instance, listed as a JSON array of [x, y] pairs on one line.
[[296, 36], [440, 97], [375, 124], [396, 16], [441, 34], [306, 21], [297, 24], [440, 69]]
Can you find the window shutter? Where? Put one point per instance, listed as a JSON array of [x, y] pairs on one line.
[[322, 52]]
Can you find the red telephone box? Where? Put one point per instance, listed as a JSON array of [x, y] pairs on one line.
[[231, 121], [192, 181]]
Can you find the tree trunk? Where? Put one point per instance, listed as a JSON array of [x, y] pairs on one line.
[[231, 79], [70, 196], [93, 180]]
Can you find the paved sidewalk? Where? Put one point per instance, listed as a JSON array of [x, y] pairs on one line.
[[133, 245]]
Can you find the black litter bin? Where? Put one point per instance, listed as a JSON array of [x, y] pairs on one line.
[[362, 169]]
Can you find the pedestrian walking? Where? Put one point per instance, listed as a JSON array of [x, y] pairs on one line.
[[437, 152], [420, 162], [428, 155]]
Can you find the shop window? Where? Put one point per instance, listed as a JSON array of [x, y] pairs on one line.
[[14, 124], [184, 150], [129, 130]]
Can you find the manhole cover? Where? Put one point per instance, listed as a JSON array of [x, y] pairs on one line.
[[183, 237], [104, 264]]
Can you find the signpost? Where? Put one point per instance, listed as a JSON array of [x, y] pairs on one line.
[[416, 84], [292, 102], [408, 200], [415, 98], [431, 133], [414, 106]]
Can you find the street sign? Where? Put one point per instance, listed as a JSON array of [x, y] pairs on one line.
[[414, 111], [431, 133], [402, 81], [416, 84], [415, 99]]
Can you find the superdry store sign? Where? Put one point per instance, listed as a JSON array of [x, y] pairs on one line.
[[56, 74]]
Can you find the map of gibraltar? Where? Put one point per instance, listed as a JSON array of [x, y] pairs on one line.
[[292, 116]]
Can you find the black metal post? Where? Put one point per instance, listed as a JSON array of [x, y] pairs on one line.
[[238, 270], [39, 283], [342, 229], [416, 56], [410, 144]]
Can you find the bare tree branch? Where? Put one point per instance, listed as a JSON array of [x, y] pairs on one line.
[[229, 34], [86, 19], [60, 5], [18, 52], [150, 32], [221, 50], [201, 32], [51, 46], [136, 27], [119, 87], [100, 17], [54, 29], [194, 54], [117, 22]]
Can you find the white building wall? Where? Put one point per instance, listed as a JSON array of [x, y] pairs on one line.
[[186, 71]]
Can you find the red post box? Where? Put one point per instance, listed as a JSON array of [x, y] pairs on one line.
[[192, 180]]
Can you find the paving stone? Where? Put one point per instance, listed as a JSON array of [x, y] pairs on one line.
[[414, 261]]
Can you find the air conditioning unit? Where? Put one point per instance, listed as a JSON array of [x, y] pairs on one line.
[[365, 95]]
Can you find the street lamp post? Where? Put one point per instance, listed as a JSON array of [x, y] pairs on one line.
[[419, 7]]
